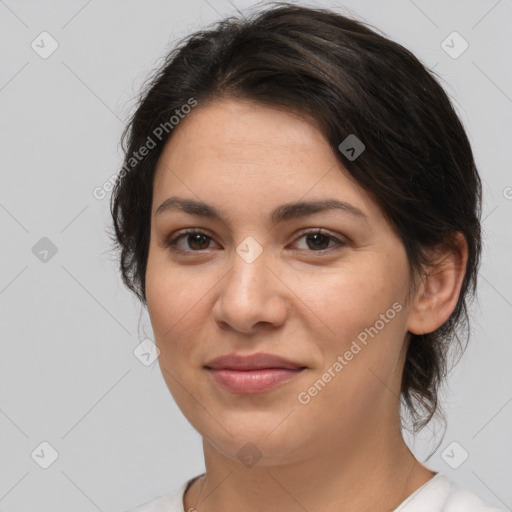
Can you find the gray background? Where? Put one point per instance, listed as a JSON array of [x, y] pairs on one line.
[[68, 375]]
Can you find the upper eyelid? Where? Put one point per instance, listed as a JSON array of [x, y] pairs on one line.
[[306, 231]]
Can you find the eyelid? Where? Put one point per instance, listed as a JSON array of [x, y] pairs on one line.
[[340, 241], [171, 242]]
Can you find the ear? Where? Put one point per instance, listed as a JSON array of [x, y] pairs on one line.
[[438, 292]]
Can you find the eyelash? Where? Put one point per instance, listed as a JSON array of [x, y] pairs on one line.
[[171, 244]]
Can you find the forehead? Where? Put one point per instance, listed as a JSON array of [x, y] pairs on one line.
[[253, 155], [246, 133]]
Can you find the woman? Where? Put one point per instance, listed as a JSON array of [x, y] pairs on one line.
[[299, 210]]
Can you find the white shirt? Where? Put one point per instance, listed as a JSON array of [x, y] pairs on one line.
[[439, 494]]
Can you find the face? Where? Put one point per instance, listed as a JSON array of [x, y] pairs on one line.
[[324, 288]]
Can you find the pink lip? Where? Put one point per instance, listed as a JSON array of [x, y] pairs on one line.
[[252, 374], [252, 362], [252, 381]]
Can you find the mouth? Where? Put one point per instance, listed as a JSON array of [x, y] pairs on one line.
[[253, 381], [256, 373]]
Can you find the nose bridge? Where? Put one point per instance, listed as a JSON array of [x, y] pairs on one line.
[[249, 273], [250, 250], [250, 292]]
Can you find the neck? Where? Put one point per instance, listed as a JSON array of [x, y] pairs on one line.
[[374, 473]]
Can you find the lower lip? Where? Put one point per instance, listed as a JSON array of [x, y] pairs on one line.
[[252, 381]]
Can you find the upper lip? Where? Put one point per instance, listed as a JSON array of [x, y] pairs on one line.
[[252, 362]]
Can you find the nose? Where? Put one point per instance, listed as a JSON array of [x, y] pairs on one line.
[[251, 296]]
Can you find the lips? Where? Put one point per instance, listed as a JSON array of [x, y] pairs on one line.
[[253, 362], [257, 373]]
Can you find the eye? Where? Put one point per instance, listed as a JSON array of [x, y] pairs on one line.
[[316, 241], [195, 239]]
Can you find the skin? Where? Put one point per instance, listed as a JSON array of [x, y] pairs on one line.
[[295, 300]]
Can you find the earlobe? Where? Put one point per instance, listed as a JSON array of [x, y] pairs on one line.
[[438, 293]]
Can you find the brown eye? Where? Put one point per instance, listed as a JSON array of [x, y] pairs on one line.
[[195, 241], [198, 241], [318, 241]]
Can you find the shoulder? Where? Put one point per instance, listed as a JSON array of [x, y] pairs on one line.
[[461, 499], [440, 494], [169, 502]]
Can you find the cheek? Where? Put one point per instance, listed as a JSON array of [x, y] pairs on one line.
[[167, 300], [350, 298], [178, 303], [175, 307], [362, 304]]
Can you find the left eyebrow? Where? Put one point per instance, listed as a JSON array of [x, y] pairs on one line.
[[304, 208], [282, 213]]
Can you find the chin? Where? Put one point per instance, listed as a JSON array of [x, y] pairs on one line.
[[268, 443]]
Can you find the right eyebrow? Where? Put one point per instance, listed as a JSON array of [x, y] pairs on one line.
[[282, 213]]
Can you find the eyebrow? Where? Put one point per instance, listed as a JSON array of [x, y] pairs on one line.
[[282, 213]]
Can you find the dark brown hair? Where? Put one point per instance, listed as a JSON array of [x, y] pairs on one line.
[[417, 163]]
